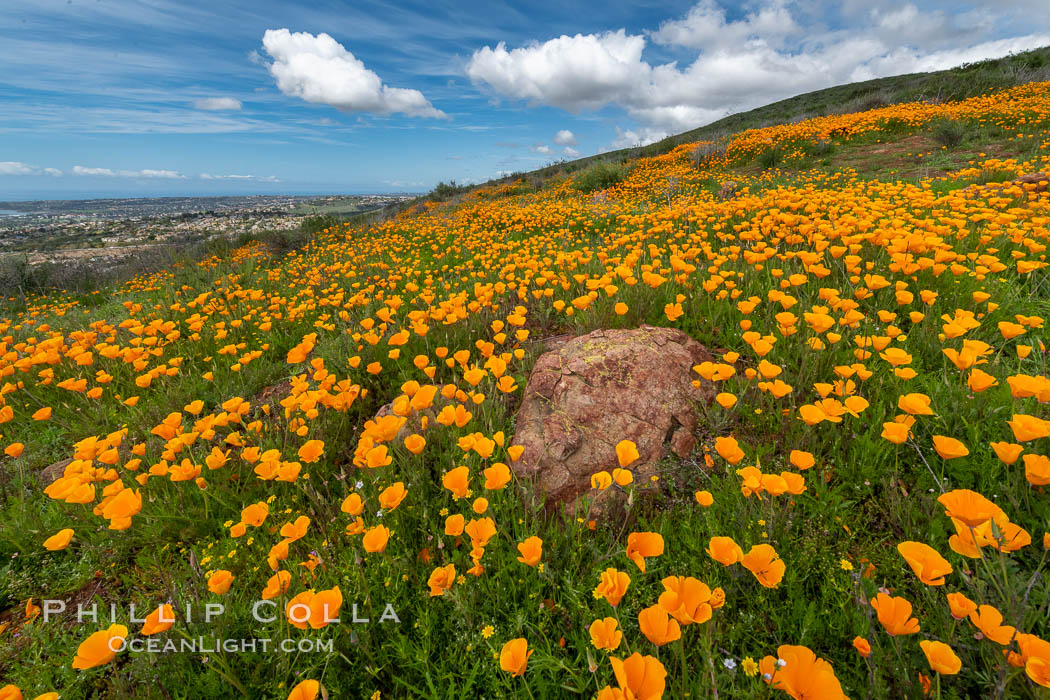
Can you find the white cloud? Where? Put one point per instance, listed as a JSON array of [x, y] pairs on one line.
[[540, 148], [642, 137], [252, 178], [108, 172], [162, 174], [97, 172], [565, 138], [570, 152], [11, 167], [774, 52], [572, 72], [320, 70], [215, 104], [705, 27]]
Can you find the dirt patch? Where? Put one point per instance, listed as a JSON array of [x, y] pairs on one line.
[[913, 157], [15, 617]]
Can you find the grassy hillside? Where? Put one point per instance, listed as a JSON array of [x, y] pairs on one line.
[[958, 83], [865, 513]]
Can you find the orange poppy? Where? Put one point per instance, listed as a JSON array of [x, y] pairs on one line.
[[514, 656], [926, 562], [941, 657], [895, 614]]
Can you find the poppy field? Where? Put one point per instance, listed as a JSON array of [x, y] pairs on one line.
[[866, 514]]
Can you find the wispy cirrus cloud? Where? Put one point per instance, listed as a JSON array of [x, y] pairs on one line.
[[216, 104]]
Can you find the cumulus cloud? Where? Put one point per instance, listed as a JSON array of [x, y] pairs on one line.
[[572, 72], [570, 152], [779, 49], [540, 148], [565, 138], [629, 138], [215, 104], [705, 27], [108, 172], [320, 70]]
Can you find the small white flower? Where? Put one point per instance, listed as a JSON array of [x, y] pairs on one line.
[[729, 663], [767, 676], [781, 663], [359, 485]]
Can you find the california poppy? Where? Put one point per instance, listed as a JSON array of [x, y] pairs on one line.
[[514, 656], [765, 564], [724, 550], [968, 506], [687, 599], [59, 540], [160, 620], [220, 581], [531, 551], [926, 562], [375, 539], [941, 657], [895, 614], [441, 579], [626, 453], [657, 626], [305, 690], [644, 544], [100, 648], [605, 634], [644, 677], [801, 674], [612, 586]]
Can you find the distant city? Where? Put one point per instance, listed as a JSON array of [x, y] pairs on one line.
[[52, 230]]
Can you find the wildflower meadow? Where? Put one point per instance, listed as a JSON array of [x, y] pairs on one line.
[[202, 498]]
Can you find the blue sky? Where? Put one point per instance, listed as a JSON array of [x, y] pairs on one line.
[[155, 97]]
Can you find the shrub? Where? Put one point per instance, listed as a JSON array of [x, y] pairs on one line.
[[821, 147], [316, 224], [770, 158], [948, 133], [446, 190], [600, 176]]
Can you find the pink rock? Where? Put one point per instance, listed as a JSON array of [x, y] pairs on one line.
[[596, 390]]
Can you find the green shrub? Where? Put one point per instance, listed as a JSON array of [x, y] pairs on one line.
[[446, 190], [948, 133], [316, 224], [770, 158], [600, 176]]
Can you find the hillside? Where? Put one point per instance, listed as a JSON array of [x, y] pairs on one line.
[[864, 512], [959, 83]]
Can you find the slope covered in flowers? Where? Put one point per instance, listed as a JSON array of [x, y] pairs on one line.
[[866, 515]]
